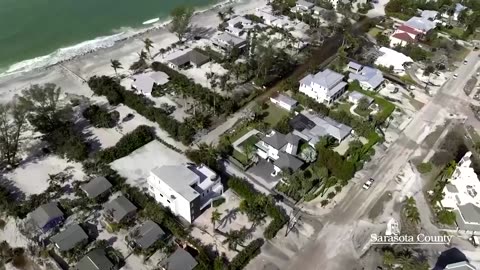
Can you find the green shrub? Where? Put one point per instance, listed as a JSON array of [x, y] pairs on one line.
[[127, 144], [274, 227], [424, 167], [100, 117], [218, 202], [243, 188], [246, 255]]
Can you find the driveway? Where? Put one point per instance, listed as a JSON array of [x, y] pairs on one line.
[[261, 172]]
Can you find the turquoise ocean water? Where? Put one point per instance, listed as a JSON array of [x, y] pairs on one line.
[[30, 29]]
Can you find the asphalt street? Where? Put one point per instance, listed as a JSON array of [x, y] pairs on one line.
[[332, 248]]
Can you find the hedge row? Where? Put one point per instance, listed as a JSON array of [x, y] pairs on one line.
[[189, 88], [246, 255], [127, 144], [116, 94], [249, 193]]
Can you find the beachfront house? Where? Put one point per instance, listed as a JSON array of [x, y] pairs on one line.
[[311, 128], [302, 6], [47, 216], [146, 82], [97, 187], [119, 210], [239, 26], [325, 86], [95, 260], [73, 236], [185, 189], [368, 77], [184, 58], [462, 196], [284, 101], [228, 42]]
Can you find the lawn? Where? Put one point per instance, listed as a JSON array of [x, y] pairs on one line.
[[455, 32], [344, 107], [374, 31], [364, 113], [252, 140], [273, 114], [240, 157], [241, 130]]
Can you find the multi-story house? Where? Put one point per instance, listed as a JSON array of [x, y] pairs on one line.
[[325, 86], [185, 189], [462, 195]]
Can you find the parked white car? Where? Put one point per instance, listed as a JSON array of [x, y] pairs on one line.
[[368, 184]]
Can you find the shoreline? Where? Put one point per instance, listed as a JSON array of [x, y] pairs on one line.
[[25, 66]]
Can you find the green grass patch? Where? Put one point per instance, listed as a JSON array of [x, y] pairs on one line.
[[252, 140], [455, 32], [238, 133], [424, 167], [401, 16], [274, 114], [386, 106], [344, 107], [364, 113], [242, 158], [374, 31], [407, 79]]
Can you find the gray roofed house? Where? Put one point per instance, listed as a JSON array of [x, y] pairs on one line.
[[179, 260], [420, 23], [69, 238], [96, 187], [460, 266], [284, 101], [451, 188], [47, 215], [327, 79], [148, 233], [470, 213], [277, 140], [121, 208], [95, 260], [226, 41], [191, 56], [145, 82], [429, 14], [355, 67], [311, 127], [355, 97], [368, 77], [287, 161]]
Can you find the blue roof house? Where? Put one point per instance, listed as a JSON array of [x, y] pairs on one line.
[[47, 216]]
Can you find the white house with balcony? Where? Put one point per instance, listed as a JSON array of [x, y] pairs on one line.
[[325, 86], [185, 189], [462, 195]]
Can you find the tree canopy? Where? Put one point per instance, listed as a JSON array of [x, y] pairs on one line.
[[181, 17]]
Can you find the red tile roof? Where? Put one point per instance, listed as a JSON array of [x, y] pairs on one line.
[[403, 36], [409, 30]]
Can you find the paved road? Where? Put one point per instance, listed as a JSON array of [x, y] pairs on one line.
[[331, 250]]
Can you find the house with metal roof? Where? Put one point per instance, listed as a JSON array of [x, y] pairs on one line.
[[47, 216], [120, 209], [462, 195], [429, 14], [302, 6], [95, 260], [421, 24], [146, 235], [226, 41], [185, 189], [180, 59], [354, 97], [144, 83], [311, 127], [368, 77], [284, 101], [325, 86], [69, 238], [179, 260], [96, 187], [281, 149]]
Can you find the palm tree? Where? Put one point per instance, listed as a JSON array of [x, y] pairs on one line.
[[406, 262], [249, 151], [221, 15], [230, 11], [142, 55], [115, 64], [148, 45], [388, 259], [216, 216], [236, 238]]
